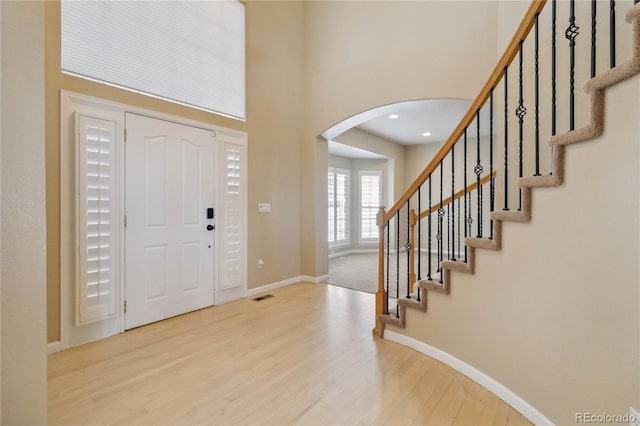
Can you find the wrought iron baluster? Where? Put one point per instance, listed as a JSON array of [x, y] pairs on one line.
[[478, 171], [459, 224], [386, 310], [553, 75], [593, 38], [491, 194], [506, 140], [441, 214], [397, 262], [407, 247], [612, 32], [521, 111], [453, 209], [570, 34], [537, 97], [429, 232], [466, 214], [419, 239]]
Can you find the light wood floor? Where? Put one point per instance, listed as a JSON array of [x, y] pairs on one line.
[[305, 356]]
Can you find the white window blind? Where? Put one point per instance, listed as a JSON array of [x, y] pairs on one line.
[[232, 236], [190, 52], [370, 200], [339, 193], [96, 218]]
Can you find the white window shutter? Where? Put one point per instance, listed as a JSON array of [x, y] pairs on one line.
[[232, 238], [96, 219]]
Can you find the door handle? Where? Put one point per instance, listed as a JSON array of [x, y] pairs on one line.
[[210, 227]]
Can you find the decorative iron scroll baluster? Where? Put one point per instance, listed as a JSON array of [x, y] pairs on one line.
[[386, 308], [506, 139], [441, 214], [407, 247], [491, 199], [465, 193], [419, 239], [593, 38], [429, 232], [521, 111], [571, 33], [612, 32], [478, 171], [397, 262], [537, 97], [453, 209]]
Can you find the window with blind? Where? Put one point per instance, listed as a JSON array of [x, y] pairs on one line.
[[97, 218], [189, 52], [370, 201], [339, 208]]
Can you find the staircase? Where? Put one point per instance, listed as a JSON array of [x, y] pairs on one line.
[[474, 211]]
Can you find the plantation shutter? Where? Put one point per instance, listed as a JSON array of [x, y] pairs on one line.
[[370, 199], [96, 218], [232, 221], [339, 206]]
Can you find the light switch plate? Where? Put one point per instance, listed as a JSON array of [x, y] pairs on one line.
[[264, 207]]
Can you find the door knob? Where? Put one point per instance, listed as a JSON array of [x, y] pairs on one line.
[[210, 227]]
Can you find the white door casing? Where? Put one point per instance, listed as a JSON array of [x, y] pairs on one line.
[[169, 249], [229, 180]]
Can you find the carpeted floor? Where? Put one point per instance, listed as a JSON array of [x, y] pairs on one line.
[[359, 271]]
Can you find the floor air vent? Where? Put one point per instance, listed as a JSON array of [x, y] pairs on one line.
[[261, 298]]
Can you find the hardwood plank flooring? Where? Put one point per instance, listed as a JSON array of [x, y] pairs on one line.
[[304, 357]]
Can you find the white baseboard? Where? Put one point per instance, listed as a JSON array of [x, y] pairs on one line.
[[519, 404], [268, 287], [309, 279], [53, 347]]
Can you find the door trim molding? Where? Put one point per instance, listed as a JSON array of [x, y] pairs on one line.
[[70, 102]]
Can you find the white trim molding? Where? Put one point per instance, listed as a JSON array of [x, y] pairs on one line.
[[295, 280], [498, 389], [53, 347]]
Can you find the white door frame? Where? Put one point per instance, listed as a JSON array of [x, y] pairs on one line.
[[70, 103]]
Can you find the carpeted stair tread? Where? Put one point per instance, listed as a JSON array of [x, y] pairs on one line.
[[595, 87]]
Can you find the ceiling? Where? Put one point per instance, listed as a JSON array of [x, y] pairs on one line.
[[439, 117]]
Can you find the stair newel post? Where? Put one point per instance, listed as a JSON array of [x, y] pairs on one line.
[[381, 295], [412, 250]]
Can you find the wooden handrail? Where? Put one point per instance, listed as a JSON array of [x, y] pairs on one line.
[[457, 195], [506, 59]]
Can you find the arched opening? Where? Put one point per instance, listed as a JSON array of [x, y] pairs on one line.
[[372, 158]]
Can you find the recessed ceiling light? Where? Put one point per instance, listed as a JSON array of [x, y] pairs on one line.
[[392, 116], [426, 134]]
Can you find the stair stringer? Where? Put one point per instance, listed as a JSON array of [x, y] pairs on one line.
[[596, 88]]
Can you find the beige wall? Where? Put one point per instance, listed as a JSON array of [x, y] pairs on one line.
[[23, 352], [361, 55], [274, 40], [554, 315]]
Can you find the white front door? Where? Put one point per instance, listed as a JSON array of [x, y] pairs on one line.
[[169, 257]]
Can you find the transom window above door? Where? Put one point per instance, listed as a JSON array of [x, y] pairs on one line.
[[188, 52]]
